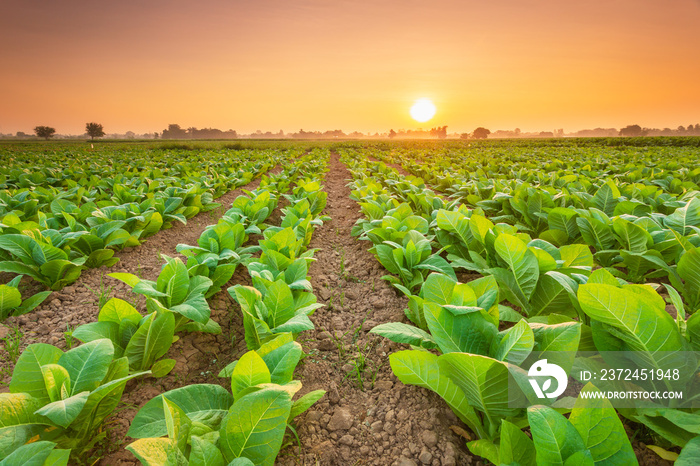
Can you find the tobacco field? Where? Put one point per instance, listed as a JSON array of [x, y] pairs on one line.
[[347, 303]]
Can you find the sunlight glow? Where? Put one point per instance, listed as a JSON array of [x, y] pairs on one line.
[[423, 110]]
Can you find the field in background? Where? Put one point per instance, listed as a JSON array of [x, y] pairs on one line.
[[376, 295]]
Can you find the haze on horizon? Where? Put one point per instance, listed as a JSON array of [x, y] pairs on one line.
[[350, 65]]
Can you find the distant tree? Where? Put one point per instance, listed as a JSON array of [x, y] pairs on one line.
[[632, 131], [464, 136], [94, 130], [481, 133], [517, 131], [174, 131], [681, 129], [45, 132], [156, 135], [440, 132], [392, 134]]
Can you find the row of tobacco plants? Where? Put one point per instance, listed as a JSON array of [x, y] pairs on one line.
[[565, 262], [59, 400]]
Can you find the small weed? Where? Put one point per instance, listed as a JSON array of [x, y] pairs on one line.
[[68, 336], [12, 342], [103, 294]]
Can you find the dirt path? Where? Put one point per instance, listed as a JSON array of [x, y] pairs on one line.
[[368, 417]]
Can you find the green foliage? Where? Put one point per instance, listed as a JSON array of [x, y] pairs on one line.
[[62, 397], [176, 291], [11, 303], [142, 340], [205, 424], [272, 308]]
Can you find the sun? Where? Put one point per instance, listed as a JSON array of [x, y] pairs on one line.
[[423, 110]]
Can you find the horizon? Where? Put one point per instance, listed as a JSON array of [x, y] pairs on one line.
[[358, 66]]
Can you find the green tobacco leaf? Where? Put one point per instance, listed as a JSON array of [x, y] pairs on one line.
[[58, 457], [56, 380], [173, 281], [27, 376], [177, 423], [606, 198], [515, 345], [203, 403], [551, 297], [241, 462], [255, 426], [151, 451], [576, 255], [102, 402], [128, 278], [555, 438], [115, 310], [438, 288], [601, 430], [64, 412], [205, 453], [468, 333], [685, 217], [690, 454], [33, 454], [18, 421], [689, 270], [486, 449], [10, 298], [403, 333], [31, 303], [163, 367], [603, 277], [632, 237], [596, 233], [282, 361], [151, 341], [305, 402], [516, 447], [99, 330], [638, 314], [279, 302], [87, 364], [421, 368], [251, 370], [483, 380], [557, 342]]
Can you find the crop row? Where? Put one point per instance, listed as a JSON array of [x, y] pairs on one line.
[[53, 228], [61, 399], [473, 342]]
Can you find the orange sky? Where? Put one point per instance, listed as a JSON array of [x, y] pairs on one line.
[[351, 65]]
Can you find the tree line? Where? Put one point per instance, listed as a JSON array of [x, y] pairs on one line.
[[92, 129], [175, 131]]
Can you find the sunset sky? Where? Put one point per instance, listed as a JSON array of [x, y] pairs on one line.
[[351, 65]]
